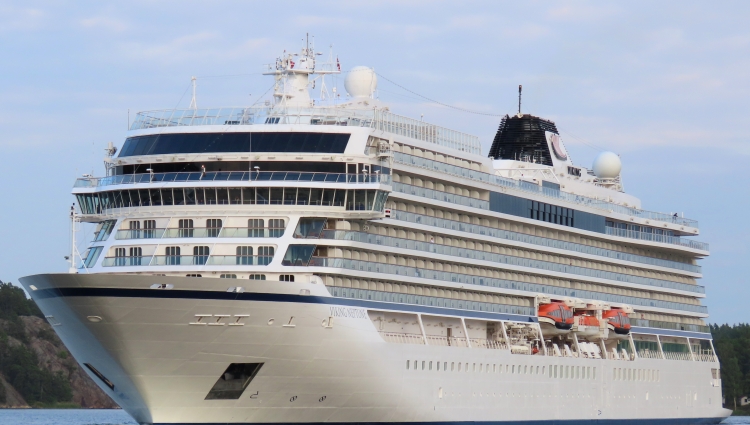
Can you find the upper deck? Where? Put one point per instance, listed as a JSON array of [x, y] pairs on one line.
[[378, 119]]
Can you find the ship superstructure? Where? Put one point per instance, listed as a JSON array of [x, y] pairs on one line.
[[307, 263]]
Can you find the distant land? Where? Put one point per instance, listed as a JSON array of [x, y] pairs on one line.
[[36, 370]]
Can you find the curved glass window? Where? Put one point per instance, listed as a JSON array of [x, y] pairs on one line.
[[159, 144], [352, 199]]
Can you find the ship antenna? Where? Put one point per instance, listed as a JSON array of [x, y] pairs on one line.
[[519, 99], [193, 102]]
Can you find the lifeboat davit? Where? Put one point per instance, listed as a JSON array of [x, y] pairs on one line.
[[555, 318], [618, 321]]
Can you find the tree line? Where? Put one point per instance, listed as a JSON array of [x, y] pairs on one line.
[[19, 364], [732, 344]]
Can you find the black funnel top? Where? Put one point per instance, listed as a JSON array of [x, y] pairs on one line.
[[523, 139]]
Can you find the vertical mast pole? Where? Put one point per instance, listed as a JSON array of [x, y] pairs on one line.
[[193, 102], [72, 268], [519, 99]]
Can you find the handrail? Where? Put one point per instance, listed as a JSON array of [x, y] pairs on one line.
[[193, 176], [378, 119], [536, 240], [188, 260], [201, 232], [429, 164], [426, 300], [435, 248], [674, 240], [345, 263]]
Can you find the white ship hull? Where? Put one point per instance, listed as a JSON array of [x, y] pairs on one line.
[[321, 370]]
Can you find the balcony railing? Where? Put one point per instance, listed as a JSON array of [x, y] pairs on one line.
[[240, 260], [644, 236], [539, 190], [201, 232], [537, 240], [288, 176], [189, 260], [441, 196], [126, 261], [393, 297], [373, 267], [660, 324], [373, 118], [452, 251]]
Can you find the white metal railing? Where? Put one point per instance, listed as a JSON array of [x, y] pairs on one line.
[[374, 118], [705, 357], [351, 264], [649, 354], [536, 240], [452, 251], [429, 164], [402, 338], [446, 341], [490, 344], [677, 356]]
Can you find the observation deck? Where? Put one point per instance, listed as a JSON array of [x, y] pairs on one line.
[[377, 119]]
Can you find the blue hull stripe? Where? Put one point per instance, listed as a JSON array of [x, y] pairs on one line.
[[670, 332], [667, 421], [288, 298]]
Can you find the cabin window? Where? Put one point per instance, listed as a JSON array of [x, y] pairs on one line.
[[275, 227], [120, 256], [228, 276], [244, 255], [255, 228], [200, 255], [265, 255], [136, 255], [149, 227], [172, 254], [286, 278], [257, 277], [213, 227], [185, 228]]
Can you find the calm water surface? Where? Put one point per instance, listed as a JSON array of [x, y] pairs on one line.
[[118, 417]]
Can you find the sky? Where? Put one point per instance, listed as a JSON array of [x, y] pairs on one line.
[[663, 84]]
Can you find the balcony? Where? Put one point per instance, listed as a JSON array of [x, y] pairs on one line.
[[553, 243], [238, 176], [407, 271], [189, 260], [377, 119], [644, 236], [452, 251], [201, 232], [442, 167]]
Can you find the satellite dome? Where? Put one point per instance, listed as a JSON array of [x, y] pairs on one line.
[[607, 165], [361, 82]]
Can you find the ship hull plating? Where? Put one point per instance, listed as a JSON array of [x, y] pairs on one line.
[[163, 350]]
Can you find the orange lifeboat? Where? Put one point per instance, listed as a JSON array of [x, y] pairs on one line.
[[555, 318], [586, 324], [618, 320]]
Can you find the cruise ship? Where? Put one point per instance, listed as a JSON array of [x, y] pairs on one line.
[[325, 260]]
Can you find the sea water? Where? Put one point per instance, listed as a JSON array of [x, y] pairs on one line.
[[65, 417], [119, 417]]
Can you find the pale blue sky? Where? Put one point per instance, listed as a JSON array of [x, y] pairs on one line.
[[664, 84]]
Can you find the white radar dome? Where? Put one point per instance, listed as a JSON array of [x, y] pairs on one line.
[[607, 165], [361, 82]]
